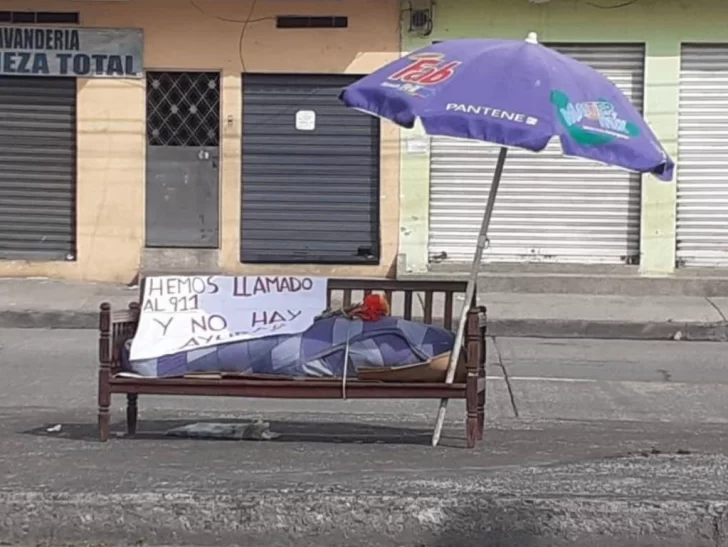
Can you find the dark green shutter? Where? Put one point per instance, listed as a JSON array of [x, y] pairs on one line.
[[38, 168], [308, 196]]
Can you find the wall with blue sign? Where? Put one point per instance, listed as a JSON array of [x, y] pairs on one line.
[[108, 54]]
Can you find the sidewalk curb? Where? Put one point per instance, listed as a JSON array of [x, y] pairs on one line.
[[57, 319], [609, 330], [316, 517], [515, 328]]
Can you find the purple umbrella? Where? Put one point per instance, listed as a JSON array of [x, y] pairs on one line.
[[516, 94]]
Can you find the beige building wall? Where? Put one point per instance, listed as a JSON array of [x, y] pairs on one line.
[[205, 35]]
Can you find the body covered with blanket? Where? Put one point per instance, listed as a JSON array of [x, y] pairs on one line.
[[320, 351]]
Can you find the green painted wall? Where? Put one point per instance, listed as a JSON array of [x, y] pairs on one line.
[[661, 24]]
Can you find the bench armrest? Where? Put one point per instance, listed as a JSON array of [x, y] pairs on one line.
[[115, 328]]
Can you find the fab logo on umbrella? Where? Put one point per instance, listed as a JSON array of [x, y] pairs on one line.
[[426, 70]]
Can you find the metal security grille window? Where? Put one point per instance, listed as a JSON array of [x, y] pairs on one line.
[[39, 17], [183, 109], [311, 21], [183, 159]]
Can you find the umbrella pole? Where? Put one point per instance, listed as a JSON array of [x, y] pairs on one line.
[[470, 290]]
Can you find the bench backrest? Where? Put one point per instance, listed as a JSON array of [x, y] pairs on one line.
[[432, 302], [427, 301]]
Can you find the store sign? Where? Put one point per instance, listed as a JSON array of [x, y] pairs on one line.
[[83, 52]]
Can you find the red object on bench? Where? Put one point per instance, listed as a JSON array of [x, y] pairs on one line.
[[116, 327]]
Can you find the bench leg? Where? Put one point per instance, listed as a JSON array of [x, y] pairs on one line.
[[471, 403], [481, 402], [104, 406], [481, 415], [132, 412], [104, 425]]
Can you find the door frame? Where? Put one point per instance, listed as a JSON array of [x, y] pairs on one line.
[[219, 72]]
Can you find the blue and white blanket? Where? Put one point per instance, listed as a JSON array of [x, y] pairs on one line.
[[317, 352]]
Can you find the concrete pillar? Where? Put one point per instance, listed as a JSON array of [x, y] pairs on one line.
[[414, 199], [659, 199]]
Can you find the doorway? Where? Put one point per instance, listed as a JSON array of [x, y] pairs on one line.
[[183, 160]]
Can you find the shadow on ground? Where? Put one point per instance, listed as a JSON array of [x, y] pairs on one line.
[[567, 522], [287, 431], [479, 526]]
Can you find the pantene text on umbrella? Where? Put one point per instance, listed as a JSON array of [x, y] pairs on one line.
[[492, 113]]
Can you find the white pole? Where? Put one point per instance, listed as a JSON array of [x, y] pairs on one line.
[[470, 290]]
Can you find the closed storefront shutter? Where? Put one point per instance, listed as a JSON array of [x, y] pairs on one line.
[[702, 176], [549, 208], [310, 181], [37, 168]]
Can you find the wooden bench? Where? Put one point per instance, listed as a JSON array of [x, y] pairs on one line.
[[118, 326]]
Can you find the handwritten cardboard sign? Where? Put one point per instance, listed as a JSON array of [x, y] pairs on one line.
[[181, 313]]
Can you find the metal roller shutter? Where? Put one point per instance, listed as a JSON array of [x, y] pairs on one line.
[[308, 195], [549, 208], [702, 177], [37, 168]]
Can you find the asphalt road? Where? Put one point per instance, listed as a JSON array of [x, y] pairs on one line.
[[586, 440], [548, 379]]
